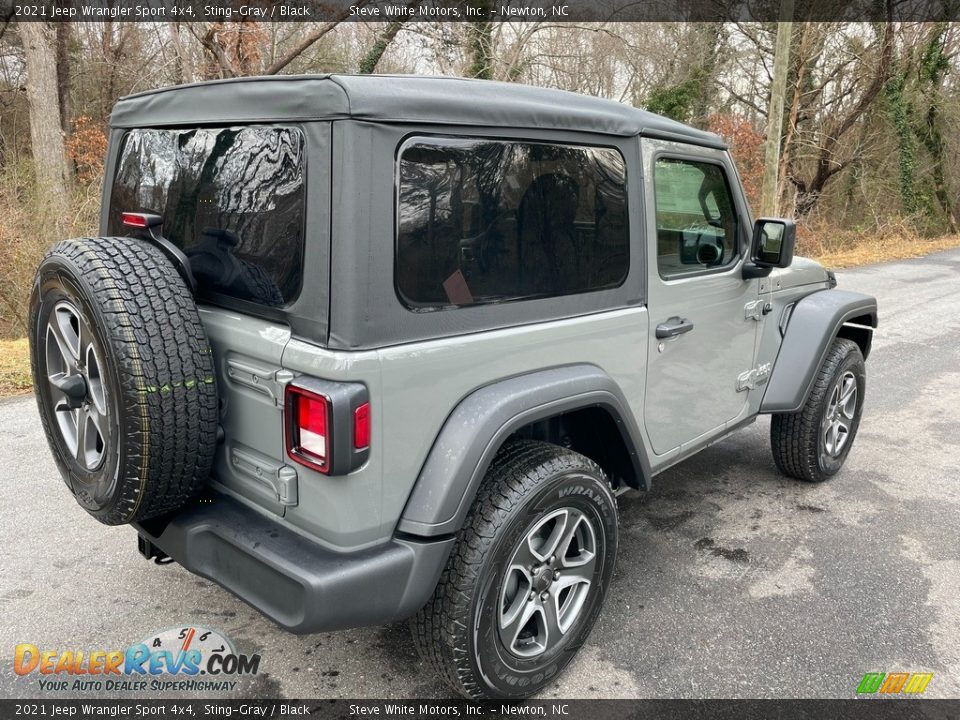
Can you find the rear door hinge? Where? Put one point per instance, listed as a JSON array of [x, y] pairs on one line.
[[756, 309], [752, 378], [278, 479], [259, 378]]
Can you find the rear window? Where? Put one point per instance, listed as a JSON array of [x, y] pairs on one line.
[[485, 221], [231, 198]]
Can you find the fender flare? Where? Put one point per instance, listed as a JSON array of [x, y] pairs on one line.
[[814, 323], [482, 421]]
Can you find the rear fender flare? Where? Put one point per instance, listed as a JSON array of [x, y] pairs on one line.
[[482, 421]]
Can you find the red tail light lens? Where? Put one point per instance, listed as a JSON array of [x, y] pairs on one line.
[[137, 220], [308, 437], [361, 427], [141, 219], [327, 424]]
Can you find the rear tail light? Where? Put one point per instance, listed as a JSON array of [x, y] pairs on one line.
[[327, 425], [307, 436], [361, 427], [140, 220], [136, 220]]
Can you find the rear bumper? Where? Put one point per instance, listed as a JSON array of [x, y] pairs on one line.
[[300, 585]]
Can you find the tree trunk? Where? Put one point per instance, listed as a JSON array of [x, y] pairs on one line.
[[46, 131], [115, 37], [707, 36], [801, 62], [480, 43], [372, 58], [183, 69], [934, 65], [311, 38], [828, 164], [898, 110], [106, 83], [63, 76], [769, 197], [933, 139]]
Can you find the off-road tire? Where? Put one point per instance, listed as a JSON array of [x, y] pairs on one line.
[[797, 438], [155, 368], [455, 632]]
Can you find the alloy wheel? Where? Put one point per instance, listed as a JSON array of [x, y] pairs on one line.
[[77, 389], [839, 416], [547, 582]]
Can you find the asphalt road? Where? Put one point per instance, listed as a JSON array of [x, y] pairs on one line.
[[732, 581]]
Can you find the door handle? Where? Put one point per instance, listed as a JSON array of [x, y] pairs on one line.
[[673, 327]]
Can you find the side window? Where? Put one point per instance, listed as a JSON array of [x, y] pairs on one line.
[[232, 198], [488, 221], [696, 217]]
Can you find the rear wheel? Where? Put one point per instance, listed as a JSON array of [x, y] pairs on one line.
[[527, 576], [813, 443], [123, 376]]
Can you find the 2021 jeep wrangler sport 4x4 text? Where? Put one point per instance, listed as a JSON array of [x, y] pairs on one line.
[[365, 348]]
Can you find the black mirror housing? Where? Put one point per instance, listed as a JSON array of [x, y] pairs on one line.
[[774, 240]]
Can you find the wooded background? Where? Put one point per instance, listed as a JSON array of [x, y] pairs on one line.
[[864, 153]]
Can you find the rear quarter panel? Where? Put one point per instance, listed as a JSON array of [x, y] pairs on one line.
[[413, 388]]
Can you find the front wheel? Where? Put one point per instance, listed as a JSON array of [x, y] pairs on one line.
[[813, 443], [526, 579]]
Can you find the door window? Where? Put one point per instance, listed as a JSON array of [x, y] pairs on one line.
[[696, 218], [493, 221]]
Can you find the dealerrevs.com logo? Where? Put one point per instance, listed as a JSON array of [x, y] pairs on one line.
[[183, 658], [894, 683]]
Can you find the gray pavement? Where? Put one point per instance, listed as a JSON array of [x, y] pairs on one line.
[[731, 582]]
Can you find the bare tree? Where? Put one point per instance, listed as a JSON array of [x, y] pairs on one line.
[[46, 130], [770, 200], [116, 41], [183, 64], [802, 68], [850, 100], [63, 75], [934, 66], [235, 48], [310, 39], [370, 61], [480, 43]]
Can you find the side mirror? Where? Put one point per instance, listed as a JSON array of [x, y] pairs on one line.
[[773, 242]]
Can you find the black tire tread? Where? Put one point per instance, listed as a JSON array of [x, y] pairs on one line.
[[167, 386], [440, 629], [794, 436]]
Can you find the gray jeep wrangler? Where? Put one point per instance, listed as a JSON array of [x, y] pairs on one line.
[[363, 348]]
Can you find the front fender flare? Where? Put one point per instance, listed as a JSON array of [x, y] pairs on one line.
[[478, 426], [814, 323]]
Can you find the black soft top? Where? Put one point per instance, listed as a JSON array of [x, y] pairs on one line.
[[395, 99]]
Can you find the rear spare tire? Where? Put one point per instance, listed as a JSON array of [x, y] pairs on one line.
[[124, 377]]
